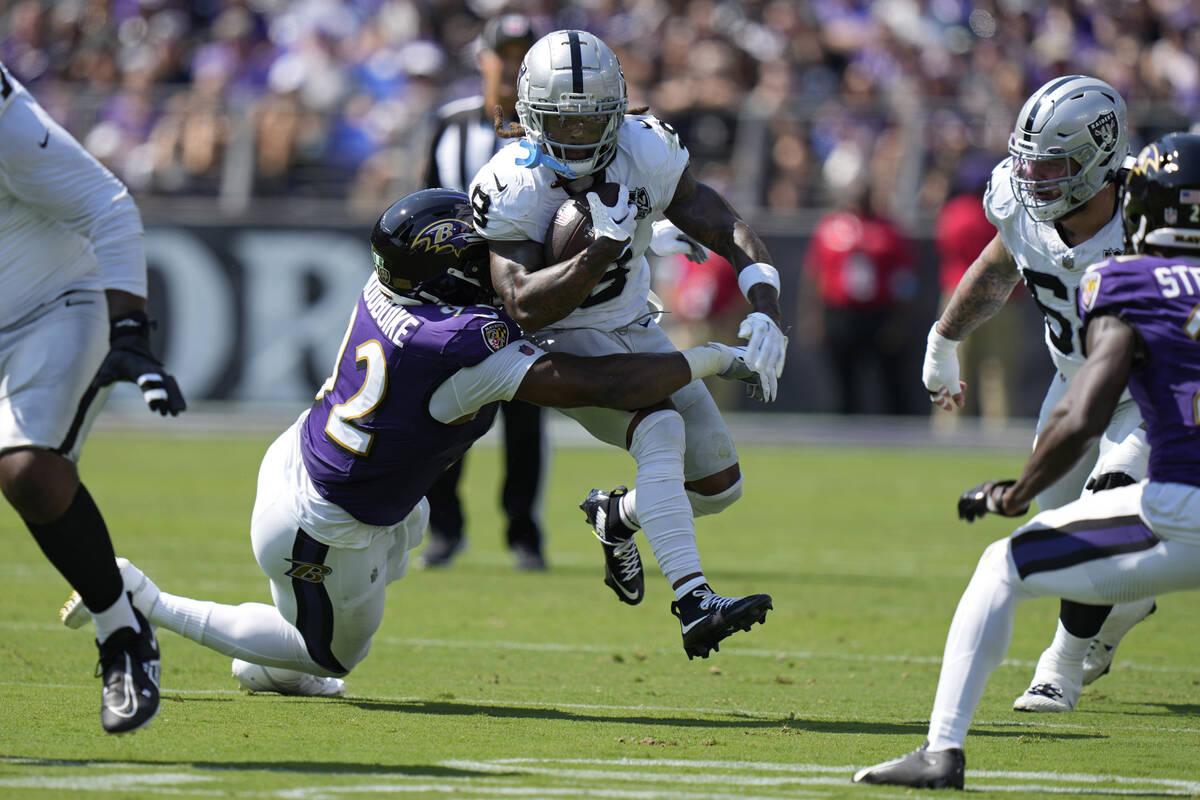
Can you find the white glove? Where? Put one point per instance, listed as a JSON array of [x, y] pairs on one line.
[[618, 221], [767, 346], [762, 386], [666, 239], [940, 372]]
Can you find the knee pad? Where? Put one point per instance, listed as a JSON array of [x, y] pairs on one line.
[[703, 504], [659, 435]]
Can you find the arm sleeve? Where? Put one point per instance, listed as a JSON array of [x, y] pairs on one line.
[[67, 184], [497, 377]]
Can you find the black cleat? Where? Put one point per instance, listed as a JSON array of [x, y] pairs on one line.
[[129, 665], [622, 563], [441, 550], [706, 617], [920, 769], [528, 559]]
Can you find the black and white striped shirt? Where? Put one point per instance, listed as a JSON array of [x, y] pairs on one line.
[[463, 141]]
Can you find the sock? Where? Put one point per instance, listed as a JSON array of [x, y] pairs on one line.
[[662, 506], [978, 639], [112, 619], [254, 632], [78, 545], [1064, 657], [628, 508], [687, 586]]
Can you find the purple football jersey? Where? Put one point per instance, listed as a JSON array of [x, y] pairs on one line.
[[1161, 298], [369, 443]]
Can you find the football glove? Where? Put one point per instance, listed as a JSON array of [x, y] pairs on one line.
[[617, 222], [940, 371], [130, 359], [767, 346], [981, 499], [760, 386], [1109, 480], [666, 239]]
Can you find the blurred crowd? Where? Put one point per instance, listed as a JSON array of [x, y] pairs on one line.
[[777, 99]]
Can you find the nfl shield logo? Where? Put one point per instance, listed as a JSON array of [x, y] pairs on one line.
[[1170, 215], [1089, 289], [495, 335]]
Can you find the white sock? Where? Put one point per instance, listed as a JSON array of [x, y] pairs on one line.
[[112, 619], [979, 637], [662, 505], [253, 632], [1063, 657], [627, 505], [694, 583]]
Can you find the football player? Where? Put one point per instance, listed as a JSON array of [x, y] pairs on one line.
[[420, 373], [1054, 202], [72, 321], [1139, 330], [574, 135]]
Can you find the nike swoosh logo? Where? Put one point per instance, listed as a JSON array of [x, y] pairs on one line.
[[693, 623], [630, 595], [45, 140], [500, 187], [79, 302]]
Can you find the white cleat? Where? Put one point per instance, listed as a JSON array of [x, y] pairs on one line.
[[256, 678], [1103, 648], [1048, 696], [142, 591]]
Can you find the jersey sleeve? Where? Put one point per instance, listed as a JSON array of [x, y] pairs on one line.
[[42, 166], [504, 199], [497, 377], [999, 203], [658, 154]]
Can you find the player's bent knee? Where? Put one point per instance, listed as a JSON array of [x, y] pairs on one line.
[[660, 430], [703, 504], [638, 422], [40, 484]]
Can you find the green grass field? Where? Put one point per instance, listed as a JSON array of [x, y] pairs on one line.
[[488, 683]]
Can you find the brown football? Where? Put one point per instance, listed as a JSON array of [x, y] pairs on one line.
[[570, 230]]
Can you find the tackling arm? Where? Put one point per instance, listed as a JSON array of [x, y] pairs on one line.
[[626, 382], [1080, 416]]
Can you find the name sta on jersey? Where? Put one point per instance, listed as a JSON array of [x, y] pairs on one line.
[[393, 320]]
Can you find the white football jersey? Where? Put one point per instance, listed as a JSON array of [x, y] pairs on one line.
[[1050, 268], [66, 222], [516, 203]]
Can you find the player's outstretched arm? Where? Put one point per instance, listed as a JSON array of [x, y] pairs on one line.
[[981, 293], [626, 381], [705, 216], [131, 359]]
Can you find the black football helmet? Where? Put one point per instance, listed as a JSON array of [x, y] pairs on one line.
[[425, 248], [1161, 212]]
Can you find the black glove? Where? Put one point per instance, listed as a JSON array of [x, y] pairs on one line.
[[130, 359], [978, 500], [1109, 480]]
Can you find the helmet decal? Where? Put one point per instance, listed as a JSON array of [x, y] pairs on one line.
[[1104, 130], [443, 236]]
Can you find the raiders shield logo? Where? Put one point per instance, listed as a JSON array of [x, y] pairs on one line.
[[1089, 288], [495, 335], [1104, 130], [640, 198]]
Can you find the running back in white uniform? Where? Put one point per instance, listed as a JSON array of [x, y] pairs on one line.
[[1052, 271], [517, 203]]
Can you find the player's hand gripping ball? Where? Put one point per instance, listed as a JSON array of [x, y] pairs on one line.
[[571, 230]]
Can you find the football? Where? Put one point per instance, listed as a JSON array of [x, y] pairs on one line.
[[570, 230]]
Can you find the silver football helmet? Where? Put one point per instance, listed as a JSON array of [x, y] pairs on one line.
[[1069, 141], [571, 101]]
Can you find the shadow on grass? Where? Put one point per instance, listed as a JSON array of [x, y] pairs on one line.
[[298, 767]]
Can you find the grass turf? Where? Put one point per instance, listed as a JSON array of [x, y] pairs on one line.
[[488, 682]]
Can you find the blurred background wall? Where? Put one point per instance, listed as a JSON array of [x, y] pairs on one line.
[[261, 139]]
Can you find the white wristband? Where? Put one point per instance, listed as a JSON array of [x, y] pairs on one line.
[[705, 361], [757, 272], [939, 345]]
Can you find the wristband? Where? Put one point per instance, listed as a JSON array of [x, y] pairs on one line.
[[705, 361], [939, 345], [757, 272]]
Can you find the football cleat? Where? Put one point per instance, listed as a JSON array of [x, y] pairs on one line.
[[255, 678], [1053, 696], [705, 617], [622, 562], [920, 769], [528, 559], [1103, 648], [441, 550], [142, 593], [129, 665]]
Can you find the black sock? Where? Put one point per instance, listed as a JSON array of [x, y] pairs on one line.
[[77, 544], [1082, 620]]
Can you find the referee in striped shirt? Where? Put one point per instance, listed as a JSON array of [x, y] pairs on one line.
[[463, 141]]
